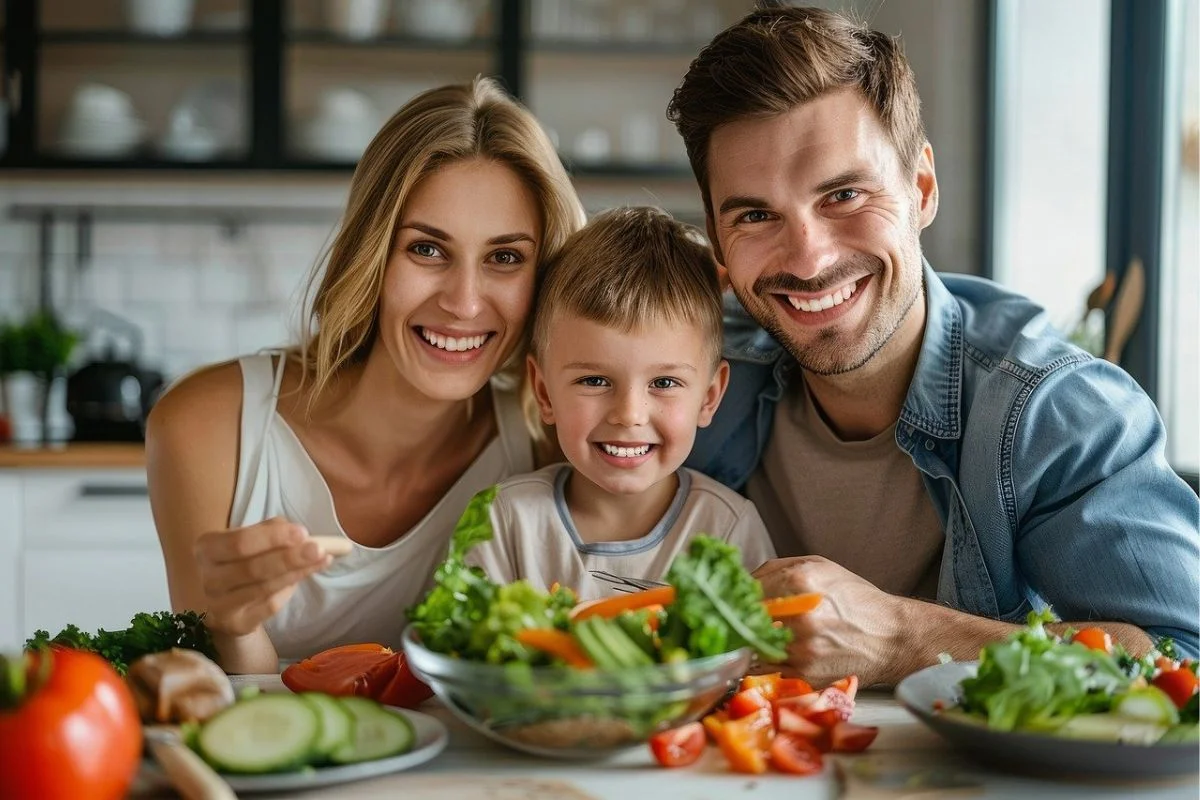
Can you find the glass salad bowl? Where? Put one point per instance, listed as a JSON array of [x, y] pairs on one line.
[[571, 713]]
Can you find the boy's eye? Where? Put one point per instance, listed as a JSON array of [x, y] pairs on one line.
[[593, 380], [664, 383], [425, 250]]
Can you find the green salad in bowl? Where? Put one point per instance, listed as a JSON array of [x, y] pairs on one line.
[[539, 672]]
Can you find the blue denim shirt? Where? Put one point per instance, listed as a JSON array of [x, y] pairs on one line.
[[1046, 466]]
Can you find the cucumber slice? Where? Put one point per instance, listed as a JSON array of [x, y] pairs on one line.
[[1147, 704], [1111, 728], [377, 732], [1184, 733], [268, 733], [337, 726]]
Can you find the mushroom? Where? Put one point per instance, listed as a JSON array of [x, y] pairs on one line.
[[177, 686]]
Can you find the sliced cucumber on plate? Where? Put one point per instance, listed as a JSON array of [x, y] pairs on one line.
[[377, 732], [268, 733]]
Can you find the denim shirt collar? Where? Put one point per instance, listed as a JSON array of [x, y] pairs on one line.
[[934, 401]]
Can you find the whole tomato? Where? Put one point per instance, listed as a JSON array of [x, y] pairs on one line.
[[68, 727]]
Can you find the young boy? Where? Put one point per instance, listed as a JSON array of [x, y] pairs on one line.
[[625, 364]]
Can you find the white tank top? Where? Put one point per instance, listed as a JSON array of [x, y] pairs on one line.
[[361, 597]]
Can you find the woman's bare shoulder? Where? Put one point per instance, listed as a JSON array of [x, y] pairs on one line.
[[212, 394]]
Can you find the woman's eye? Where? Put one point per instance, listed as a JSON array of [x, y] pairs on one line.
[[508, 257], [594, 381], [845, 195], [424, 250], [664, 383], [757, 215]]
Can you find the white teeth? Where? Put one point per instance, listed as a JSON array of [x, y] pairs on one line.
[[835, 298], [452, 344], [626, 452]]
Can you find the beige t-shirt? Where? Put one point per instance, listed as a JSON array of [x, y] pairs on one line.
[[860, 504], [535, 539]]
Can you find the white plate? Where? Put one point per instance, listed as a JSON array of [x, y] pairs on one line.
[[432, 738]]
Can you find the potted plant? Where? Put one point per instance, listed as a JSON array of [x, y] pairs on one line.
[[40, 348]]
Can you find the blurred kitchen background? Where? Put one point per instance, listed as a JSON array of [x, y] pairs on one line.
[[171, 170]]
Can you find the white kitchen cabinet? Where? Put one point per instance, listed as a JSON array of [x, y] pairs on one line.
[[76, 546]]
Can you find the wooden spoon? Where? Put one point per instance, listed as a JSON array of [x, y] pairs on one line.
[[191, 776]]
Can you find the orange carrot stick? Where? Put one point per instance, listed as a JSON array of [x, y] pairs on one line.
[[792, 605], [608, 607], [559, 644]]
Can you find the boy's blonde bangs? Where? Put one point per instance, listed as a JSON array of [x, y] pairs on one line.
[[438, 127]]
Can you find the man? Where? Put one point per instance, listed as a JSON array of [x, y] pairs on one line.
[[936, 459]]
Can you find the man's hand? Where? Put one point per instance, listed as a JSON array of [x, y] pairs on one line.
[[857, 628]]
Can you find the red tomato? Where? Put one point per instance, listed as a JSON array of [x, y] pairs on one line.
[[795, 754], [367, 670], [792, 687], [680, 746], [1094, 638], [848, 684], [846, 737], [76, 734], [792, 721], [1178, 684], [746, 702]]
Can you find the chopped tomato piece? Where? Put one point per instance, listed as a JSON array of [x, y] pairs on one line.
[[745, 742], [1178, 684], [795, 754], [846, 737], [746, 702], [1094, 638], [792, 721], [791, 687], [848, 684], [826, 707], [767, 684], [1165, 664], [713, 724], [680, 746], [365, 670]]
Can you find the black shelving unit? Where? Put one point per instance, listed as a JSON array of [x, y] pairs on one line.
[[266, 41]]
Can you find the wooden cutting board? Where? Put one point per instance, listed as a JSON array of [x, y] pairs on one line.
[[440, 787]]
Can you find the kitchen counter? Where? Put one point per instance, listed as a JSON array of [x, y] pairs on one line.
[[907, 761], [73, 455]]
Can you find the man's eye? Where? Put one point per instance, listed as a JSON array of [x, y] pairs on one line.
[[593, 381], [425, 250], [757, 215], [845, 195], [664, 383]]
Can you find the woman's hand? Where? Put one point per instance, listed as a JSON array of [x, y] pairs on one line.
[[247, 574]]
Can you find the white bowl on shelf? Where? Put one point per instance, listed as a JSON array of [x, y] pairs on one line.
[[356, 19]]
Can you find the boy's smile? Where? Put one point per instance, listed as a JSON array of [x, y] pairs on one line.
[[626, 404]]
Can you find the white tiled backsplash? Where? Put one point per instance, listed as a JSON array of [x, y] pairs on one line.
[[200, 292]]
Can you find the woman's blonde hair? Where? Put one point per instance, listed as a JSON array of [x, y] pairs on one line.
[[436, 128]]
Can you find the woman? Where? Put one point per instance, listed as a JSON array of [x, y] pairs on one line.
[[385, 420]]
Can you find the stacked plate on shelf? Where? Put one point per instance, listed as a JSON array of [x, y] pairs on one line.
[[100, 123]]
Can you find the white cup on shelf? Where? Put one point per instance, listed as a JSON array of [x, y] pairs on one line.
[[159, 17], [356, 19]]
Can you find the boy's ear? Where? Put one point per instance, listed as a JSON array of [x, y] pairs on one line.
[[712, 397], [540, 395]]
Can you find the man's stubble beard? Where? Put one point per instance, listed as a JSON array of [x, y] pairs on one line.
[[826, 354]]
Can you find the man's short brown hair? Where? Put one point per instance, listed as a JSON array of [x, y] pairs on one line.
[[776, 59], [627, 266]]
